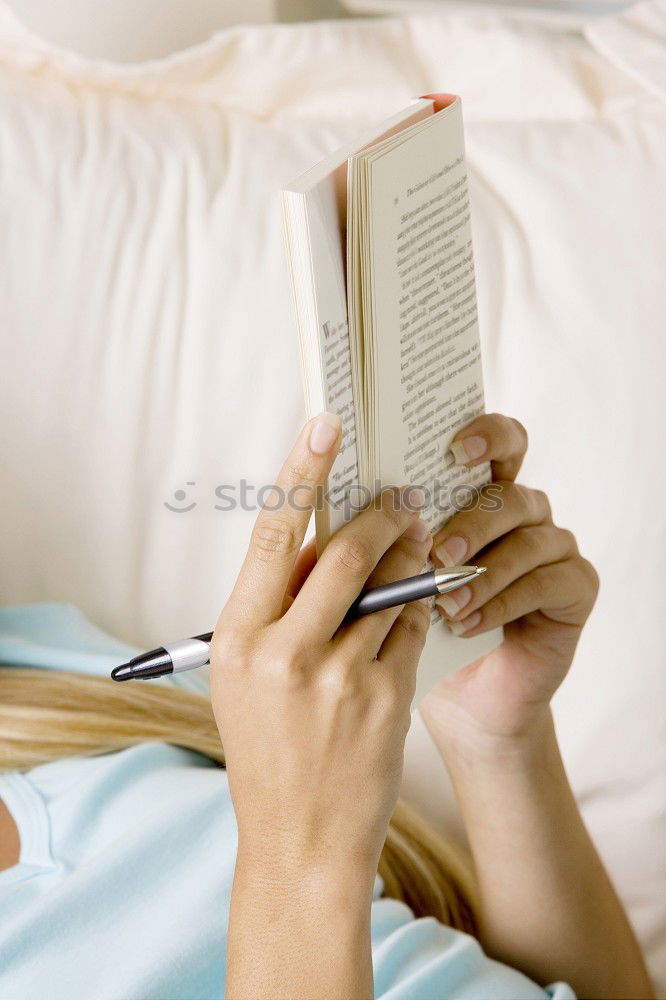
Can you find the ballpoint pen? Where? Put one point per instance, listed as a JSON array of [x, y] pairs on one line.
[[187, 654]]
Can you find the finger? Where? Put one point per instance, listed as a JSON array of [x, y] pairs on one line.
[[406, 557], [348, 560], [507, 560], [279, 530], [305, 560], [493, 438], [563, 587], [501, 507], [400, 652]]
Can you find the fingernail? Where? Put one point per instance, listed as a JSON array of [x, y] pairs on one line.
[[458, 628], [468, 449], [324, 433], [418, 530], [453, 551], [455, 601], [413, 498]]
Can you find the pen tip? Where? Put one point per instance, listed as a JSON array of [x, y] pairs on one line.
[[480, 569], [122, 672]]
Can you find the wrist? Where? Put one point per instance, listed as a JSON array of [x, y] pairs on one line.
[[465, 745], [321, 872], [298, 928], [508, 781]]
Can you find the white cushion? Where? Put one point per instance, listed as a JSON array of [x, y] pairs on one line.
[[149, 341]]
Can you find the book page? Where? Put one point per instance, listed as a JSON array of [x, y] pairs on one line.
[[427, 359], [427, 354]]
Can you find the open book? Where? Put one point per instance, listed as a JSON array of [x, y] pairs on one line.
[[380, 253]]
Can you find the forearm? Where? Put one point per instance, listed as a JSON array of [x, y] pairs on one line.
[[297, 933], [548, 906]]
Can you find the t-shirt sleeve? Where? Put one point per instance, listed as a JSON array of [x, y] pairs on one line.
[[424, 960]]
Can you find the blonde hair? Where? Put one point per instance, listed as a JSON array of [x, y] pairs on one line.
[[47, 715]]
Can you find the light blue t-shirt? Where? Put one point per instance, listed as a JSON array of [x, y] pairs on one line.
[[124, 879]]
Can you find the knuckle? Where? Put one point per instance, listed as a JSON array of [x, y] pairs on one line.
[[337, 682], [526, 502], [413, 621], [542, 504], [301, 473], [274, 538], [568, 539], [501, 606], [508, 434], [492, 496], [400, 561], [490, 421], [231, 650], [515, 499], [531, 543], [354, 555], [592, 576], [226, 645], [288, 666], [522, 434], [414, 563], [529, 503], [541, 583], [391, 508]]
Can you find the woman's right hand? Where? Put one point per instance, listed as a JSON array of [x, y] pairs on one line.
[[313, 716]]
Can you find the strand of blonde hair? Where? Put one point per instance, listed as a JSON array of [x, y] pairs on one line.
[[46, 715]]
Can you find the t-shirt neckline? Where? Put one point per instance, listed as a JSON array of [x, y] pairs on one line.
[[29, 812]]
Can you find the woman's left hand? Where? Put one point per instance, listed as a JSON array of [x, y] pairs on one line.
[[546, 905], [537, 585]]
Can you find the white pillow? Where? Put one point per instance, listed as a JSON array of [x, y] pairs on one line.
[[149, 342], [126, 31], [146, 308]]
